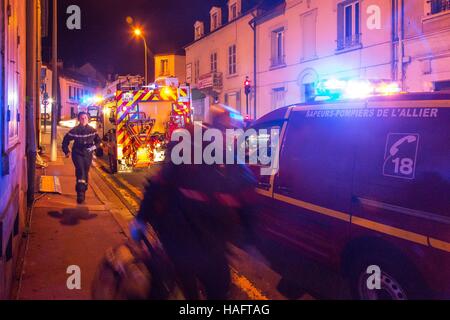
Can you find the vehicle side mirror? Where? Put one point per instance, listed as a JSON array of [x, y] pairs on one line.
[[105, 138], [112, 120]]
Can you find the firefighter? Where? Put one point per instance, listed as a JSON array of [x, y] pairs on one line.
[[196, 210], [86, 140]]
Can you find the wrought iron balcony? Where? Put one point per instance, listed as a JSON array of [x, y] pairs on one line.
[[349, 42]]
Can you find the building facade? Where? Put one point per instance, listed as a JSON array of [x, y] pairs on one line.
[[170, 65], [426, 42], [74, 86], [302, 42], [73, 89], [13, 139], [218, 61]]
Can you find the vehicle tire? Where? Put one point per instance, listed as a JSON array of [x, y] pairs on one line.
[[398, 279], [112, 164]]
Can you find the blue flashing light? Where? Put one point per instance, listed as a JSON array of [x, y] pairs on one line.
[[333, 89]]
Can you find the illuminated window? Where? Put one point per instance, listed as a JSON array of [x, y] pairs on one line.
[[164, 67]]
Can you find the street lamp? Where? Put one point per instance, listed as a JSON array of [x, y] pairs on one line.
[[138, 32]]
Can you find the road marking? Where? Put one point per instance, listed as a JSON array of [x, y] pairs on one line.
[[127, 197], [246, 286], [132, 188]]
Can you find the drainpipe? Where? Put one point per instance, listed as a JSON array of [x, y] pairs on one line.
[[402, 45], [394, 40], [31, 95], [252, 24], [38, 35]]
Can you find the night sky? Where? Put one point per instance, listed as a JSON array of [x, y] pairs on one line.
[[105, 39]]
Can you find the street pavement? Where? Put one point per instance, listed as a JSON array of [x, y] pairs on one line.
[[62, 233]]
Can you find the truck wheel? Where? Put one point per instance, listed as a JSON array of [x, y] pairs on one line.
[[398, 281], [112, 164]]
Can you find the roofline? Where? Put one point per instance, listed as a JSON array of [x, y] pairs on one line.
[[170, 54], [270, 14]]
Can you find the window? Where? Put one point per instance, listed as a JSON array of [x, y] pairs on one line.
[[278, 97], [277, 48], [189, 73], [309, 21], [12, 78], [214, 62], [233, 99], [198, 32], [164, 67], [214, 21], [233, 11], [70, 93], [232, 60], [196, 71], [348, 24], [438, 6], [309, 92]]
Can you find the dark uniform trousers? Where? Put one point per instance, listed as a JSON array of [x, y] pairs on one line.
[[82, 165]]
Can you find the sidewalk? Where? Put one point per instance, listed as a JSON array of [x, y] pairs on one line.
[[63, 233]]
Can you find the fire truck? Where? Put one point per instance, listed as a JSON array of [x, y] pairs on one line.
[[138, 123]]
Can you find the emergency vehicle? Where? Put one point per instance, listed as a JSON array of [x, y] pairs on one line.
[[362, 186], [138, 123]]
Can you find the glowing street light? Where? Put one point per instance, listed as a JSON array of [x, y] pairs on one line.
[[138, 32]]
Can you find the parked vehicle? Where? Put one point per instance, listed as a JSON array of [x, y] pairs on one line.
[[364, 185]]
